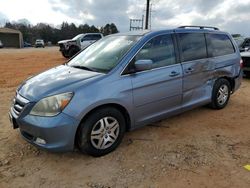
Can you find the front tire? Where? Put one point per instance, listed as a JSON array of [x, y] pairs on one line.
[[101, 132], [221, 94], [64, 55]]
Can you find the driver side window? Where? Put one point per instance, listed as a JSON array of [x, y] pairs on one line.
[[85, 38], [160, 50]]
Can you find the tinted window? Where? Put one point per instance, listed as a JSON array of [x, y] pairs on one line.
[[247, 43], [219, 44], [86, 38], [193, 46], [160, 50], [91, 37], [95, 37]]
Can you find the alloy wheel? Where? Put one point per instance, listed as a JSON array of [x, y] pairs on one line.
[[222, 94], [105, 132]]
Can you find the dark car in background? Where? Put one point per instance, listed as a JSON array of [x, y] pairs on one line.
[[1, 44], [26, 45], [245, 46], [70, 47], [239, 41], [242, 42], [246, 63]]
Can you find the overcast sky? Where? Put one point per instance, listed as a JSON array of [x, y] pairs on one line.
[[230, 15]]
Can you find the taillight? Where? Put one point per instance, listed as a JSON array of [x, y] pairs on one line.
[[241, 63]]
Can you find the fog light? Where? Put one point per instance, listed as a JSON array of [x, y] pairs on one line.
[[40, 141]]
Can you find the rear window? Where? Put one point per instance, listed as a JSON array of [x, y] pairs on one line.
[[193, 46], [219, 45]]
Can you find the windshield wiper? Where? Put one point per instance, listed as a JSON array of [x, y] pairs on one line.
[[84, 68]]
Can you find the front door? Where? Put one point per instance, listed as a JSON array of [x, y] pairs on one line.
[[86, 41], [157, 92]]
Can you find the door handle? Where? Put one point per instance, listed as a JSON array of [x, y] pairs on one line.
[[174, 73], [189, 70]]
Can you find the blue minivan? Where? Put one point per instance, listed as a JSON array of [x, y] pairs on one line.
[[125, 81]]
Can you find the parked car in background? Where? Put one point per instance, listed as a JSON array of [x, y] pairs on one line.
[[70, 47], [39, 43], [125, 81], [246, 63], [245, 46], [239, 41], [26, 45], [1, 44], [49, 43]]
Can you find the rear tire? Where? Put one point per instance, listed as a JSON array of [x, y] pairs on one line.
[[101, 132], [220, 94]]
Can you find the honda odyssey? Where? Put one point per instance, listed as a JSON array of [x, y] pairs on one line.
[[125, 81]]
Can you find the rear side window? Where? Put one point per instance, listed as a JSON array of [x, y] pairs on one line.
[[219, 45], [91, 37], [95, 37], [86, 38], [193, 46], [160, 50]]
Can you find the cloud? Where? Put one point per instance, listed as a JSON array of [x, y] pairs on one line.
[[94, 12], [230, 15]]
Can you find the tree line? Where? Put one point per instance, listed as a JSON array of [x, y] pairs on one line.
[[52, 34]]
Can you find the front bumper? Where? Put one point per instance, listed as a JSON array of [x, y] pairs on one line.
[[58, 132], [39, 45]]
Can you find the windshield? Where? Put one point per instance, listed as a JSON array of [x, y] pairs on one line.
[[77, 36], [104, 54]]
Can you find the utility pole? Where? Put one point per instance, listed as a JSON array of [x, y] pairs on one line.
[[147, 14], [136, 24]]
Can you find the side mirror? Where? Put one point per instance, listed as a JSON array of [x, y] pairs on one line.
[[143, 64]]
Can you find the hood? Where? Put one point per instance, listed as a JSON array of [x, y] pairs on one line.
[[56, 80], [245, 54], [65, 41]]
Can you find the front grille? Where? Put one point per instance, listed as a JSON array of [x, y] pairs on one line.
[[19, 103], [61, 47], [246, 61]]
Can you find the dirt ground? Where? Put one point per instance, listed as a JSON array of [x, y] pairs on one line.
[[200, 148]]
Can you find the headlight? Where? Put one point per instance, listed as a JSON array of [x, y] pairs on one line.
[[51, 106]]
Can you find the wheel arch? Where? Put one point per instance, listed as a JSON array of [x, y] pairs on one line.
[[119, 107], [230, 80], [74, 46]]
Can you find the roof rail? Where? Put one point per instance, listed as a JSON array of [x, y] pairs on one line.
[[200, 27]]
